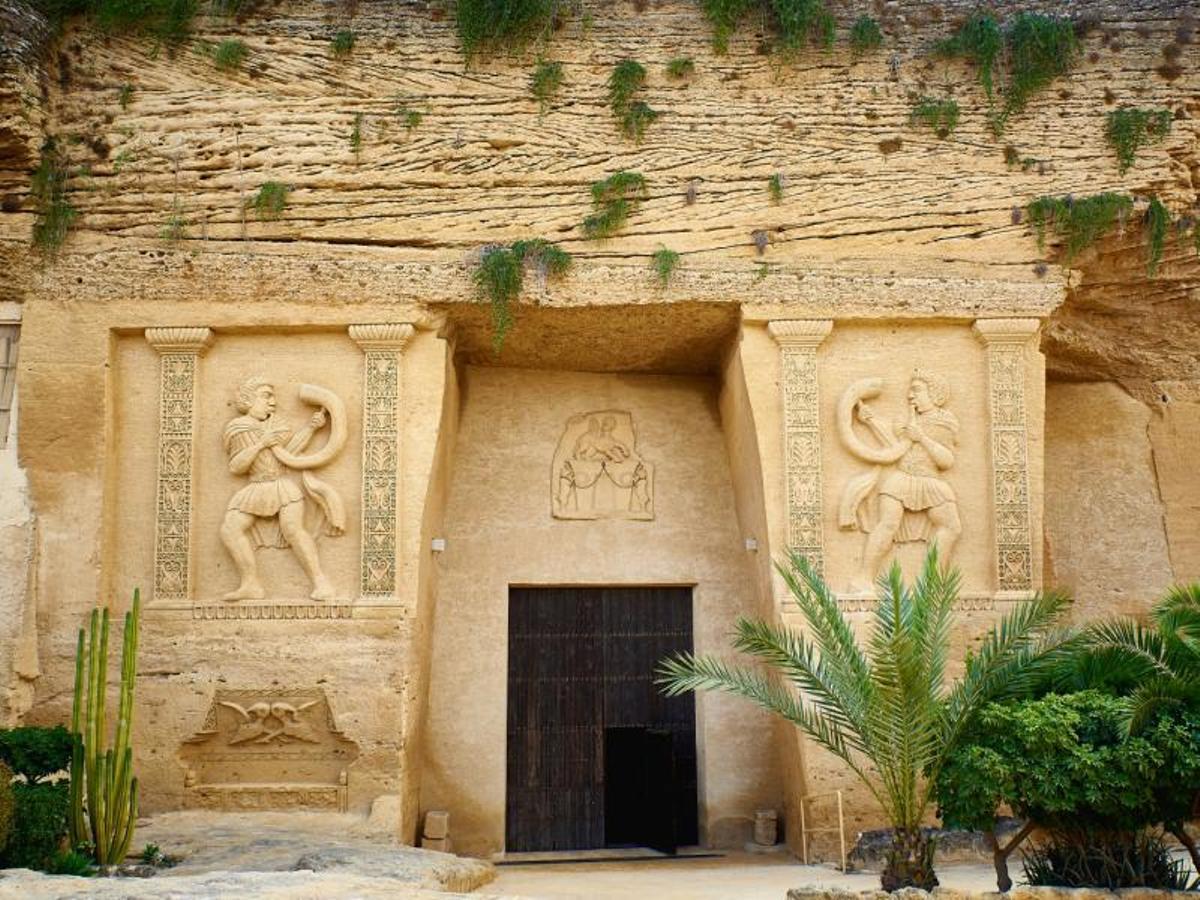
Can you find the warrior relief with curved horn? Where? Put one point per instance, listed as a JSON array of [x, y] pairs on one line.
[[273, 510], [904, 496]]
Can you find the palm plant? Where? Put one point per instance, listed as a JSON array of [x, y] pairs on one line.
[[882, 706], [1161, 660]]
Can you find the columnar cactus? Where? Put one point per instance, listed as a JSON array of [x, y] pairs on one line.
[[103, 790]]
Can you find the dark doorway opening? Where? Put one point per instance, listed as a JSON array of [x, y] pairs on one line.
[[597, 756]]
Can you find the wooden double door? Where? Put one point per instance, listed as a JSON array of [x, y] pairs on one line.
[[597, 756]]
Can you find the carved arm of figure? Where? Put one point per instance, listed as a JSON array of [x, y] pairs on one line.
[[300, 440], [881, 428], [240, 462], [942, 456]]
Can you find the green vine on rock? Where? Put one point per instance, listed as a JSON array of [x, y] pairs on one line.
[[1029, 52], [865, 35], [270, 200], [795, 22], [1157, 221], [664, 262], [939, 115], [614, 199], [53, 213], [627, 78], [1077, 222], [1128, 129], [501, 275], [544, 83], [487, 27]]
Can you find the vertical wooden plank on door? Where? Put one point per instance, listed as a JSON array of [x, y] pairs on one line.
[[555, 720]]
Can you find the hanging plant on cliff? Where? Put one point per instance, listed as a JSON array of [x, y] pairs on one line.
[[501, 275], [794, 22], [1015, 61], [487, 27], [881, 704], [1078, 221], [614, 199]]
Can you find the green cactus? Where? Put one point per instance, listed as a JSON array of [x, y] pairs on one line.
[[104, 793]]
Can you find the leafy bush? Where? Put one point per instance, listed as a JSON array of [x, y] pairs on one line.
[[39, 827], [1068, 763], [229, 55], [36, 752], [1158, 220], [1110, 860], [70, 862], [628, 77], [270, 200], [486, 27], [167, 20], [681, 67], [775, 186], [1129, 129], [342, 44], [545, 81], [6, 803]]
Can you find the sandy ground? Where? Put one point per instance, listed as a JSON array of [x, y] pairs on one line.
[[737, 876]]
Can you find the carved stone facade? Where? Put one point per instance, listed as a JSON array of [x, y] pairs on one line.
[[1007, 342], [179, 352], [597, 472], [798, 342], [267, 748], [383, 348]]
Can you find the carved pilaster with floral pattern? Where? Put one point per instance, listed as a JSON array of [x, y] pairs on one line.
[[383, 349], [798, 341], [1007, 342], [179, 351]]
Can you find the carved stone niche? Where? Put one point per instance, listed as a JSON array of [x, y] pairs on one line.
[[272, 748], [597, 471]]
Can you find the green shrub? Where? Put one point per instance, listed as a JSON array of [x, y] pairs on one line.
[[356, 134], [70, 862], [125, 95], [1079, 222], [627, 78], [939, 115], [1128, 129], [229, 55], [681, 67], [1030, 51], [614, 199], [6, 804], [545, 81], [39, 826], [775, 187], [1110, 860], [342, 44], [167, 20], [664, 262], [1068, 763], [36, 752], [175, 229], [865, 35], [270, 200], [53, 213]]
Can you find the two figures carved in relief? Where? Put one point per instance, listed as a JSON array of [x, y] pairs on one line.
[[905, 496], [597, 471], [274, 509]]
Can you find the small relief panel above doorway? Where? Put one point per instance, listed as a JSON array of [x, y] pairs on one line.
[[597, 756]]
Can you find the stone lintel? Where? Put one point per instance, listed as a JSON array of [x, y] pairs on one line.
[[1005, 331]]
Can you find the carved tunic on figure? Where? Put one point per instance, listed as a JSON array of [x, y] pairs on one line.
[[273, 510], [905, 496]]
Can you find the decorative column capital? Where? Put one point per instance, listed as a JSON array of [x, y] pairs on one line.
[[799, 332], [180, 340], [1005, 331], [389, 336]]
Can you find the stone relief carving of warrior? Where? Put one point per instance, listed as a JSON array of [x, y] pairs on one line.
[[598, 472], [274, 510], [904, 497]]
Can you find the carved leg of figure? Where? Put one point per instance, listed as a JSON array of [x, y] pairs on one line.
[[235, 535], [291, 522], [878, 544], [947, 528]]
